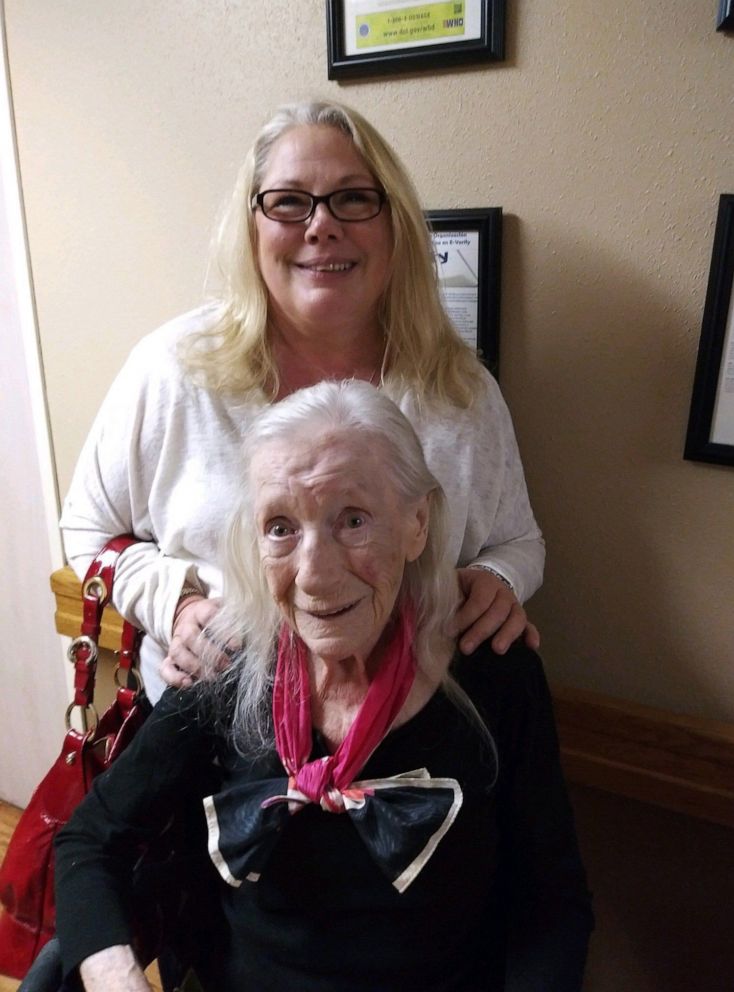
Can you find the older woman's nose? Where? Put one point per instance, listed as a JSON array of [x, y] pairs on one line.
[[320, 566]]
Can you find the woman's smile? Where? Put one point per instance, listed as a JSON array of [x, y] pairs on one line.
[[326, 266], [330, 613]]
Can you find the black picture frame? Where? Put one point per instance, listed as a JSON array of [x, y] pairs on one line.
[[489, 47], [713, 382], [484, 229], [725, 18]]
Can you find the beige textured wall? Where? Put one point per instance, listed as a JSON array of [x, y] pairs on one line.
[[606, 137]]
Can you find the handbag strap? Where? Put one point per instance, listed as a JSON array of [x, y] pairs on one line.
[[84, 649]]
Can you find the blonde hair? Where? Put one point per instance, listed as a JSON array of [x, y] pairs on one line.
[[423, 351], [249, 616]]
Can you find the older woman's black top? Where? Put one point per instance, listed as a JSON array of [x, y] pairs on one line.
[[501, 905]]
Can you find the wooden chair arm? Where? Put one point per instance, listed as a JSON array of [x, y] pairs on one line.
[[67, 590]]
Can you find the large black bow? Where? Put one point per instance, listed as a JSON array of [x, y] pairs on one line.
[[401, 821]]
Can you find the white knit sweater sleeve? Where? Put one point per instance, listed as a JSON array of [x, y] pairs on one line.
[[474, 455], [156, 464], [514, 544]]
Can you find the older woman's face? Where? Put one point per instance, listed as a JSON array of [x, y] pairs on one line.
[[334, 538], [322, 273]]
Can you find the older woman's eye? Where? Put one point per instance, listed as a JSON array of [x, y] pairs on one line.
[[353, 520], [279, 529]]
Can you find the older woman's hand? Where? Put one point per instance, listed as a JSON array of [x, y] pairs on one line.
[[182, 665], [115, 969], [490, 608]]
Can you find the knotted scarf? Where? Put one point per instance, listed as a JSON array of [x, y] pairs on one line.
[[401, 819]]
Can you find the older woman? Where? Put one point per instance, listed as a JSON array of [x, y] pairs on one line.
[[369, 783], [328, 273]]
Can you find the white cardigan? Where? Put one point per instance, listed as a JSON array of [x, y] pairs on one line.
[[163, 462]]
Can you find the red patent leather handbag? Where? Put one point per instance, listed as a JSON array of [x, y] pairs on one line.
[[28, 919]]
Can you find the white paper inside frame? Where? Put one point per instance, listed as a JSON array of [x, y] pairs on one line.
[[457, 265], [722, 422], [407, 15]]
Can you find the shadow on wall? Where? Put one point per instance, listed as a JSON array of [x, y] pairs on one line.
[[663, 889], [599, 393]]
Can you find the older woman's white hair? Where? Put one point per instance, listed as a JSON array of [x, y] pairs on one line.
[[250, 619]]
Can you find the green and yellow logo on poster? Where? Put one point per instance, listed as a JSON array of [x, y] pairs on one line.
[[424, 22]]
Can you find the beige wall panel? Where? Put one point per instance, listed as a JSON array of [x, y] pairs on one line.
[[605, 136]]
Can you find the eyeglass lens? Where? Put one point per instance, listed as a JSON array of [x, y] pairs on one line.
[[291, 205]]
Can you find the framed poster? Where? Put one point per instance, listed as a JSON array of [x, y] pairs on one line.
[[468, 248], [379, 37], [710, 436]]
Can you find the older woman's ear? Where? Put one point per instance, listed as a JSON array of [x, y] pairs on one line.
[[417, 529]]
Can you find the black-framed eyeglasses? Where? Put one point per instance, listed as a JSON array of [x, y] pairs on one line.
[[293, 206]]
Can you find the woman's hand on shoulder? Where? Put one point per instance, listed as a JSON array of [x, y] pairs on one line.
[[182, 665], [115, 969], [490, 609]]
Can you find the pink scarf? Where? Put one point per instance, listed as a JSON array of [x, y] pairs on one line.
[[401, 819], [326, 780]]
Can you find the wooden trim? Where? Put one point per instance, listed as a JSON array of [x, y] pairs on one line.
[[684, 763], [67, 590]]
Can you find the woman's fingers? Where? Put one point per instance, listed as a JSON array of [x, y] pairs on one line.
[[179, 668], [182, 665], [532, 637], [491, 610], [504, 622]]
